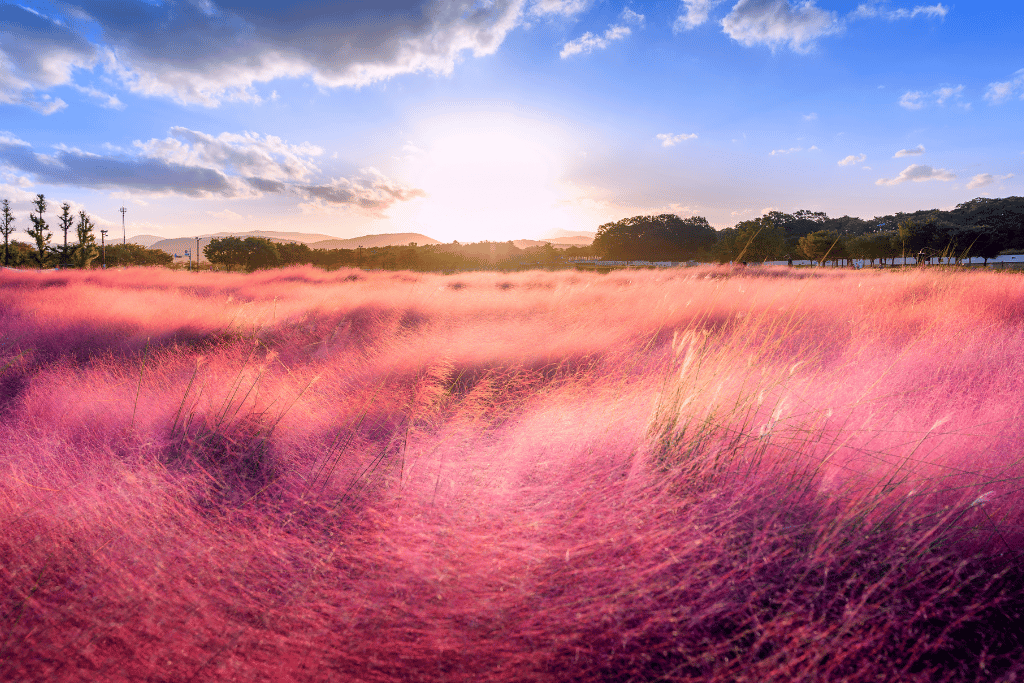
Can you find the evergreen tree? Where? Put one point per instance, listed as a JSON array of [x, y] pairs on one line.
[[85, 252], [6, 228], [67, 221], [40, 231]]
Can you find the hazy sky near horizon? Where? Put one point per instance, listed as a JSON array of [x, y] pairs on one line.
[[503, 119]]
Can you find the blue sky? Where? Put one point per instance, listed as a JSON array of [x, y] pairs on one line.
[[503, 119]]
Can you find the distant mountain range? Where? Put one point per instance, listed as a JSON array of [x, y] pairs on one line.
[[178, 245]]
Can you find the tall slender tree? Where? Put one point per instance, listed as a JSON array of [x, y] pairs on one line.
[[67, 221], [40, 231], [6, 228], [85, 252]]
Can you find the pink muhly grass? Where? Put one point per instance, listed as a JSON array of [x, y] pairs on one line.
[[701, 474]]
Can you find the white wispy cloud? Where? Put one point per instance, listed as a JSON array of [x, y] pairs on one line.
[[589, 42], [851, 160], [565, 8], [872, 10], [631, 17], [106, 99], [810, 117], [918, 99], [983, 179], [777, 22], [777, 152], [1001, 91], [693, 13], [918, 174], [670, 140], [226, 214], [912, 152]]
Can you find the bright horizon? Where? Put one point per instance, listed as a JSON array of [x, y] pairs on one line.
[[506, 119]]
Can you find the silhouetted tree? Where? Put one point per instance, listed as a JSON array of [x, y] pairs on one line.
[[6, 228], [666, 237], [40, 231]]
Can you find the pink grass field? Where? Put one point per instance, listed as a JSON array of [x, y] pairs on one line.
[[691, 475]]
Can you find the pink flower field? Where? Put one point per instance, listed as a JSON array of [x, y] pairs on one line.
[[700, 474]]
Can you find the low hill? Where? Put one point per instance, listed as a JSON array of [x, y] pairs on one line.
[[367, 241], [141, 240]]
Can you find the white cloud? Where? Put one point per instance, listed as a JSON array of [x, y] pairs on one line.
[[777, 22], [670, 140], [917, 99], [917, 174], [106, 100], [810, 117], [38, 53], [248, 154], [226, 214], [983, 179], [565, 8], [631, 17], [1000, 92], [851, 160], [777, 152], [872, 10], [199, 53], [945, 93], [912, 100], [693, 13], [199, 165], [912, 152], [589, 42]]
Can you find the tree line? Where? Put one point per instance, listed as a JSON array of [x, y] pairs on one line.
[[81, 251], [980, 228], [258, 253]]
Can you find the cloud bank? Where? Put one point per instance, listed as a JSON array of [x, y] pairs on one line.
[[195, 164], [205, 53]]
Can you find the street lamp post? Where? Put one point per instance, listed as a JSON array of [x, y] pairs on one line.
[[103, 243], [124, 234]]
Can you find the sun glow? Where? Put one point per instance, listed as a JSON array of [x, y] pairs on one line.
[[492, 178]]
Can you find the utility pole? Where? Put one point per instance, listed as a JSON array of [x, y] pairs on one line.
[[197, 254], [103, 242], [124, 234]]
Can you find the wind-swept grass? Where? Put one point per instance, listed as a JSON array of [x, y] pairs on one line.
[[691, 475]]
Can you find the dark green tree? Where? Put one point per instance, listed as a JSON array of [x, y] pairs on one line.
[[251, 253], [136, 255], [665, 237], [85, 252], [40, 231], [67, 221], [823, 245], [6, 228], [759, 240]]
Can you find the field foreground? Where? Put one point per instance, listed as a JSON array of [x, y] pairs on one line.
[[699, 475]]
